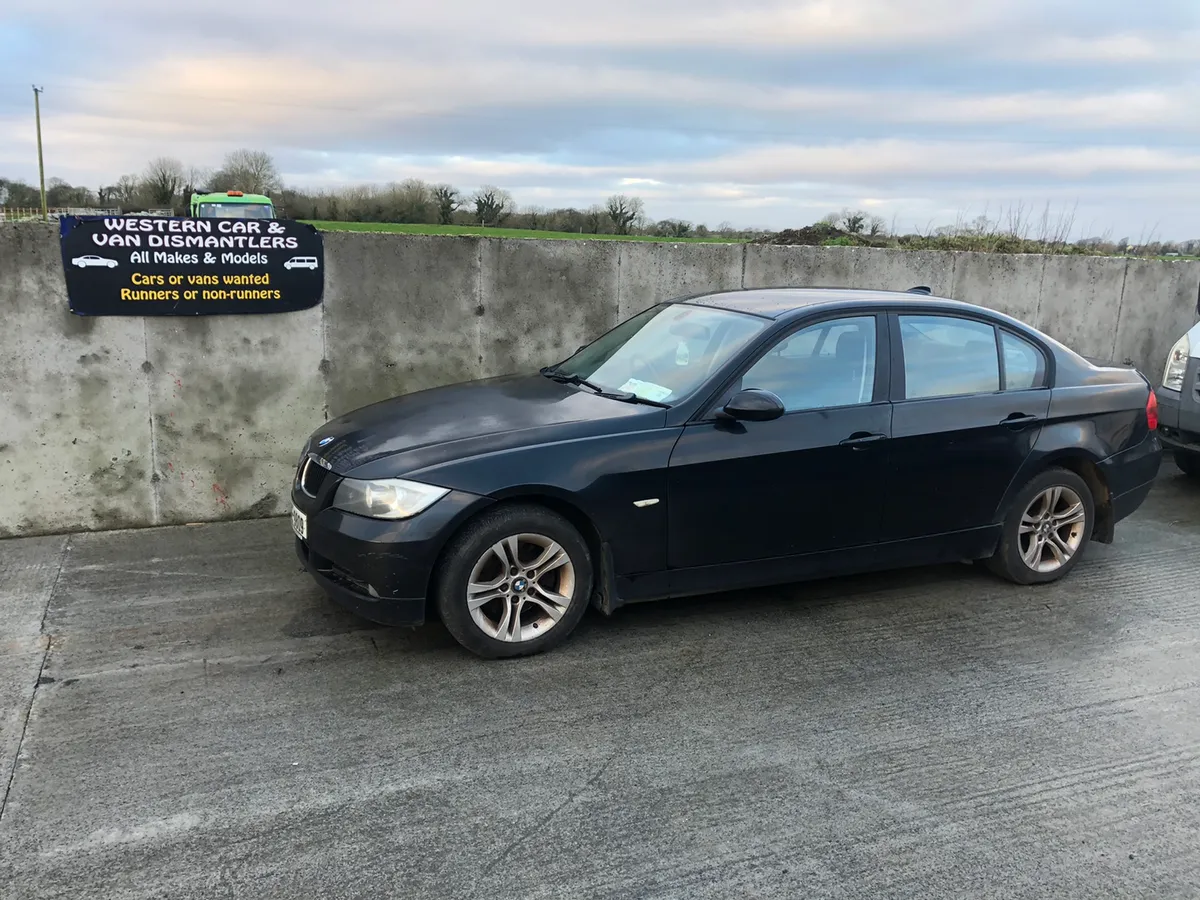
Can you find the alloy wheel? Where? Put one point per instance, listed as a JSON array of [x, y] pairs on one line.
[[520, 587], [1051, 529]]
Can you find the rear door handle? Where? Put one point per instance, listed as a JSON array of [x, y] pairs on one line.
[[862, 437], [1019, 420]]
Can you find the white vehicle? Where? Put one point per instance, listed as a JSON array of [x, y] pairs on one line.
[[301, 262], [84, 261], [1179, 402]]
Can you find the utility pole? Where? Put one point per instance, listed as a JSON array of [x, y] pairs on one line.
[[37, 111]]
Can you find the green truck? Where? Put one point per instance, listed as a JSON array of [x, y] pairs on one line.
[[232, 205]]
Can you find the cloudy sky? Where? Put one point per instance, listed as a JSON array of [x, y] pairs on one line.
[[758, 112]]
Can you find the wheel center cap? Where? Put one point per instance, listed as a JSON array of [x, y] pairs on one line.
[[519, 584]]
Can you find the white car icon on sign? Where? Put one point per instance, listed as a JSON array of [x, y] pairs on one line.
[[301, 262], [84, 261]]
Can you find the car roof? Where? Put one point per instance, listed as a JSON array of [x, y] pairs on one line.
[[777, 303]]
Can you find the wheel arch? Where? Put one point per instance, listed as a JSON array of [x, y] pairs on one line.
[[558, 501], [1086, 466]]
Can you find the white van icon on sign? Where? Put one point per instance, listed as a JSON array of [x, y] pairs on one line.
[[301, 262]]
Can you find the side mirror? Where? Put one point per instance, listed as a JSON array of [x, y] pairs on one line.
[[753, 405]]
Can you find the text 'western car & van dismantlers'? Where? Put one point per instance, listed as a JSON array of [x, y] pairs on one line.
[[233, 234]]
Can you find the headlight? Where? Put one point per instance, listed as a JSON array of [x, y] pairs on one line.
[[386, 498], [1177, 361]]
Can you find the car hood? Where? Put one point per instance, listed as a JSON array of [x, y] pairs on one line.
[[426, 428]]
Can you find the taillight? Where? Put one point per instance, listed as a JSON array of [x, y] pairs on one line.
[[1152, 412]]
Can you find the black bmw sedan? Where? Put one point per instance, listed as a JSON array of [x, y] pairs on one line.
[[724, 441]]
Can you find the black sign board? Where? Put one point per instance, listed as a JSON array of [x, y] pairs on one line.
[[167, 266]]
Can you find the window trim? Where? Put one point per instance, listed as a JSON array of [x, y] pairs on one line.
[[883, 362]]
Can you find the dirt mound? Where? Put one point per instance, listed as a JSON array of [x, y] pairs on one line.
[[815, 236]]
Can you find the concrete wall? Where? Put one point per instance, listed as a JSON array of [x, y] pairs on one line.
[[115, 422]]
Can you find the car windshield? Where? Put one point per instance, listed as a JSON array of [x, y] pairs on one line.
[[664, 353], [235, 211]]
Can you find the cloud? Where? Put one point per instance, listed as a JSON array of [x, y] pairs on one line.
[[1121, 47], [718, 108], [892, 160]]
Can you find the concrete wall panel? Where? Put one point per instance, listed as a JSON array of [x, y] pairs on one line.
[[233, 398], [652, 273], [401, 314], [1007, 284], [1158, 306], [74, 412], [1081, 296], [542, 299], [899, 270], [770, 266]]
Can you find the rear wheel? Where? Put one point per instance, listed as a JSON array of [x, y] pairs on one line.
[[1046, 529], [515, 582], [1189, 463]]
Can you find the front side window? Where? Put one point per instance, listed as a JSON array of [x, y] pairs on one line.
[[947, 357], [664, 353], [822, 366]]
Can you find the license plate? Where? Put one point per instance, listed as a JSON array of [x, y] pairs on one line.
[[300, 524]]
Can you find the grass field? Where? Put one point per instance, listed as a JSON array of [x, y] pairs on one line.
[[527, 233], [479, 231]]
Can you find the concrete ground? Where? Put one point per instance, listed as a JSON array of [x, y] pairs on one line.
[[183, 715]]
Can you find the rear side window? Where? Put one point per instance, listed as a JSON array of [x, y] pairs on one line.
[[1024, 364], [948, 357]]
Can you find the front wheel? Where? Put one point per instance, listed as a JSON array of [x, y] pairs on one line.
[[515, 582], [1046, 529]]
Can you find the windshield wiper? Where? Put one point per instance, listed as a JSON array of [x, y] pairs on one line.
[[624, 396], [563, 378], [627, 397]]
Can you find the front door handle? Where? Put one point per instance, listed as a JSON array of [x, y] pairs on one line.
[[862, 437], [1019, 420]]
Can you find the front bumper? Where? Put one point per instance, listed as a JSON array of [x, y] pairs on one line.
[[384, 611], [380, 570], [1179, 416]]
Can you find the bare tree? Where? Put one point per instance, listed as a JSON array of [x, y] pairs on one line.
[[194, 179], [62, 193], [876, 226], [162, 180], [854, 222], [411, 201], [676, 228], [447, 201], [594, 216], [252, 171], [127, 190], [536, 217], [623, 211], [492, 205]]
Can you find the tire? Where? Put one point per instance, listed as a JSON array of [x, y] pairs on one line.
[[1189, 463], [1058, 533], [481, 619]]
